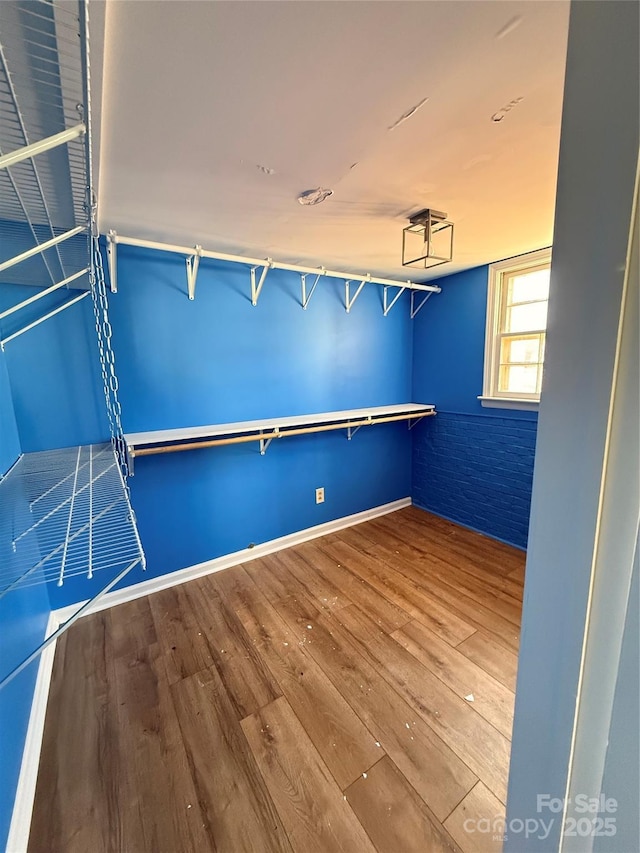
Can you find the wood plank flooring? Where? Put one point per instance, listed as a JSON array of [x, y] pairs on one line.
[[354, 693]]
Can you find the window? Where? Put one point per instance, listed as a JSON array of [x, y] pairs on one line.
[[516, 330]]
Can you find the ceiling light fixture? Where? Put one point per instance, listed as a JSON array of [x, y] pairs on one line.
[[427, 241]]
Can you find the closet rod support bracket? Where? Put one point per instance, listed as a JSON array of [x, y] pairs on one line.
[[388, 305], [306, 297], [112, 260], [415, 308], [351, 430], [256, 289], [131, 455], [349, 300], [192, 264], [265, 442]]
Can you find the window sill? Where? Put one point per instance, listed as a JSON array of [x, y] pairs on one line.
[[509, 403]]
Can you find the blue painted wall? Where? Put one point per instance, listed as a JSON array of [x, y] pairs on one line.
[[15, 708], [9, 437], [471, 464], [220, 359], [54, 371], [49, 397], [23, 619], [184, 363]]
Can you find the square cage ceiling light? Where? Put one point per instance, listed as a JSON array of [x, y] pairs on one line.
[[428, 240]]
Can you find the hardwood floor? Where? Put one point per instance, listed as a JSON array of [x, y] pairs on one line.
[[354, 693]]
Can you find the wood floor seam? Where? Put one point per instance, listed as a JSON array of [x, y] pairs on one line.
[[419, 709], [465, 639], [475, 785]]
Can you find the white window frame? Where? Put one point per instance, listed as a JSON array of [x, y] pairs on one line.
[[490, 396]]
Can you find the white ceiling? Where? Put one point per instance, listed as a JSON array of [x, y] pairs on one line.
[[217, 115]]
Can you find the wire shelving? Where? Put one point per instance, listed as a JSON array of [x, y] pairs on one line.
[[41, 95], [79, 519], [66, 522]]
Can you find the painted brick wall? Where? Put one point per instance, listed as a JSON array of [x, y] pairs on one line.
[[471, 464], [476, 470]]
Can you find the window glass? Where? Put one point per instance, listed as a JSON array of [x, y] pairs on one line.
[[530, 317], [529, 286], [522, 350], [516, 327], [519, 379]]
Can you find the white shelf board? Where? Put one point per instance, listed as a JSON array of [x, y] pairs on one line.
[[137, 439]]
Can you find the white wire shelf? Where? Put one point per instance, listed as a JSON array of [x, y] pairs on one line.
[[42, 95], [66, 513], [66, 523], [67, 256]]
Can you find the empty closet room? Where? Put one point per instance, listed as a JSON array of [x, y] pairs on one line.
[[319, 426]]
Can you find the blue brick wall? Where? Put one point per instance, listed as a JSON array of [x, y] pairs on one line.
[[476, 470], [471, 464]]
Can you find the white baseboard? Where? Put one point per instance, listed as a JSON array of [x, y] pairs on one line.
[[25, 793], [18, 838], [138, 590]]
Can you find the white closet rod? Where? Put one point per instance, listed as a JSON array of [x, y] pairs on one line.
[[266, 262]]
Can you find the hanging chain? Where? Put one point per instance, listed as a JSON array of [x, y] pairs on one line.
[[96, 271], [107, 359]]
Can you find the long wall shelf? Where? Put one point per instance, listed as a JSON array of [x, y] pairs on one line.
[[264, 431]]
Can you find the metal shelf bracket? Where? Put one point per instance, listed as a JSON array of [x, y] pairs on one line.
[[349, 300], [112, 260], [193, 263], [265, 442], [387, 306], [352, 430], [306, 297], [131, 455], [414, 421], [257, 288], [415, 308]]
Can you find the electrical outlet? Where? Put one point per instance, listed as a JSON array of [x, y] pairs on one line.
[[320, 495]]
